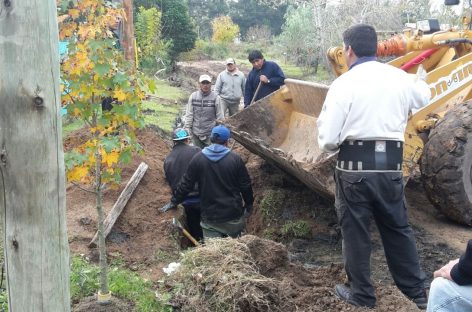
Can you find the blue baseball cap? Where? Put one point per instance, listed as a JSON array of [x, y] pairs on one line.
[[220, 133]]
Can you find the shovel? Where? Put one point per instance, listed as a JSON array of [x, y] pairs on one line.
[[177, 224], [256, 93]]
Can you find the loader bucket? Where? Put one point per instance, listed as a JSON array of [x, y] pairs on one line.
[[282, 129]]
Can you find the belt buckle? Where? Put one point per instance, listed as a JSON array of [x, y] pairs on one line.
[[380, 146]]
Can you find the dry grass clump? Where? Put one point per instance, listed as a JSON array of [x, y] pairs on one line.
[[222, 276]]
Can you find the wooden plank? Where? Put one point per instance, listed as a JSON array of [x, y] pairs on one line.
[[121, 202], [32, 175]]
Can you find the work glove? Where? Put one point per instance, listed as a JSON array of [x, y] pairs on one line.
[[247, 211], [169, 205]]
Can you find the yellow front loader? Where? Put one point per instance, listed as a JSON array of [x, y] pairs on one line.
[[282, 126]]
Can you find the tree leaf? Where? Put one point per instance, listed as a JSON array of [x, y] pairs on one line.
[[102, 69]]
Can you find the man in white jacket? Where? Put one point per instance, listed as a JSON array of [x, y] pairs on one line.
[[364, 117], [229, 86]]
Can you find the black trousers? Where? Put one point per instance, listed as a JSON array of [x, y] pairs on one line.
[[361, 195], [192, 213]]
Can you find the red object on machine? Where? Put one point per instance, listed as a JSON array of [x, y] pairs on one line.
[[418, 59]]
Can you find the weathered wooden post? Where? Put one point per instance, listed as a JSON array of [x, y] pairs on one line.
[[32, 184]]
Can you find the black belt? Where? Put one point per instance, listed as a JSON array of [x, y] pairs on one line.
[[380, 155]]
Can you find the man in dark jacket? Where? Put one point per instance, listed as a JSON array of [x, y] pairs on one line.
[[267, 73], [451, 289], [223, 184], [175, 165]]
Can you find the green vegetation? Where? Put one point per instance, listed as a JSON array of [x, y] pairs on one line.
[[69, 126], [271, 204], [123, 284], [160, 115], [296, 229], [165, 91], [270, 233], [166, 255]]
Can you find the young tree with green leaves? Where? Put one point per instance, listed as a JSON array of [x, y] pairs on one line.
[[95, 73]]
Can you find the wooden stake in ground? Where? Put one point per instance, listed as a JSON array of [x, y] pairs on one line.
[[32, 178], [121, 202]]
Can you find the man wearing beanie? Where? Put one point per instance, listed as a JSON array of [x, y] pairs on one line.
[[224, 185]]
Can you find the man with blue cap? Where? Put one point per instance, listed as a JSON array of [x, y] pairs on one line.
[[175, 165], [223, 183]]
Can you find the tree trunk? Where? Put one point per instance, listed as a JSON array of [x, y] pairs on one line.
[[101, 228], [128, 40], [32, 183]]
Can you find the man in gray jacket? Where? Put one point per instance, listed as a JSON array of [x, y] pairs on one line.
[[203, 109], [230, 87]]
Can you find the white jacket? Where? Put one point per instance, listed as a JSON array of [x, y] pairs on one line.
[[369, 102]]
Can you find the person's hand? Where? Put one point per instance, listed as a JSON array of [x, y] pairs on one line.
[[445, 271], [247, 211], [264, 79], [168, 206]]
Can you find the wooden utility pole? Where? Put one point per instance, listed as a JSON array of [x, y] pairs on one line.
[[128, 32], [32, 182]]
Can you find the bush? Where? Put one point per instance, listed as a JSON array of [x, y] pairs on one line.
[[205, 50], [296, 229]]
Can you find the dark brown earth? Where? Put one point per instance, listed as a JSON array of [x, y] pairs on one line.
[[145, 241]]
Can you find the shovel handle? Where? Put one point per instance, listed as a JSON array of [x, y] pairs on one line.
[[255, 93], [190, 237]]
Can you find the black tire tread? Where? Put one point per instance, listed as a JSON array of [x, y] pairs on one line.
[[442, 164]]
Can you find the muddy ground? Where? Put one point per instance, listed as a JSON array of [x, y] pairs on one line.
[[146, 241]]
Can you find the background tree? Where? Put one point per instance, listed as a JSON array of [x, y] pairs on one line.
[[298, 37], [224, 30], [95, 72], [32, 185], [254, 13], [177, 27], [260, 34], [203, 12], [149, 40]]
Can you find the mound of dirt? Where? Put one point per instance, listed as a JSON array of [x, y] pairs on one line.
[[254, 274]]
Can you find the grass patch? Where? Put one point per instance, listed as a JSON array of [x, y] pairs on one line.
[[296, 229], [69, 126], [271, 204], [166, 91], [165, 256], [123, 283], [160, 115]]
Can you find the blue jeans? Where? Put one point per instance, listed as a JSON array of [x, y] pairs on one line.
[[447, 296]]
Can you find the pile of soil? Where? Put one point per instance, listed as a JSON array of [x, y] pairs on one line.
[[145, 241], [269, 282]]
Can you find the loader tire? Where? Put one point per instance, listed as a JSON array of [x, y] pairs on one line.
[[446, 164]]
